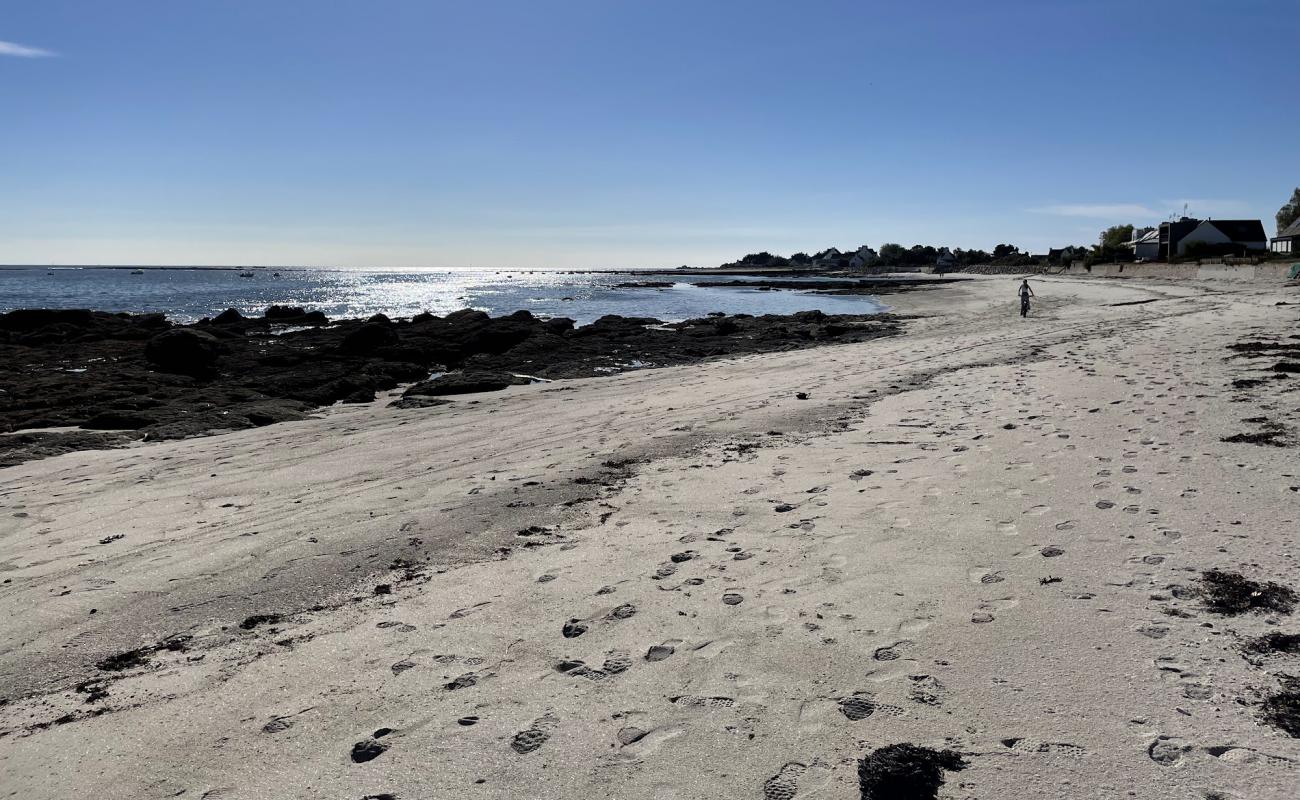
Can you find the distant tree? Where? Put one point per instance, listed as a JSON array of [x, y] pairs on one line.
[[1116, 236], [892, 255], [1005, 251], [800, 258], [764, 259], [969, 257], [1289, 212]]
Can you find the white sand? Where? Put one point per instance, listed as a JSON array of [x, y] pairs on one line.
[[918, 583]]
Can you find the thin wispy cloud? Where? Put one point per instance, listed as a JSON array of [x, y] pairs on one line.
[[1137, 212], [23, 51], [1098, 210]]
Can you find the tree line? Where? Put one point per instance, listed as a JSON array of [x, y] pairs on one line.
[[1112, 246]]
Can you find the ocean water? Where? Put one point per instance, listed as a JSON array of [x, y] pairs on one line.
[[186, 295]]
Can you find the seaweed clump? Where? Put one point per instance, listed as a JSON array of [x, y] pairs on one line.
[[905, 772], [1275, 643], [1231, 593], [1282, 710]]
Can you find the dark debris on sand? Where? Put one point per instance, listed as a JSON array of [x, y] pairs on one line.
[[1231, 593], [905, 772], [1275, 642], [1282, 710], [1270, 434]]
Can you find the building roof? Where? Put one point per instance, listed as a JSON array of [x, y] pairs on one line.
[[1241, 230], [1291, 230], [1152, 235]]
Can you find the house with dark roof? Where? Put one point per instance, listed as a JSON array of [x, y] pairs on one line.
[[1287, 239], [1224, 236], [1171, 233]]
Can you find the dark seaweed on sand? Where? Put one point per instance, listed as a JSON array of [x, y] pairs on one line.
[[1282, 710], [905, 772], [1275, 643], [1231, 593], [127, 660]]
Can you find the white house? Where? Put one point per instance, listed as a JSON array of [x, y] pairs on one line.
[[1247, 234], [864, 257], [1287, 239]]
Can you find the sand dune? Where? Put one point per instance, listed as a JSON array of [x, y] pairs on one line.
[[984, 536]]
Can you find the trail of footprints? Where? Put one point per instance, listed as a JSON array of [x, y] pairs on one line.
[[1118, 487]]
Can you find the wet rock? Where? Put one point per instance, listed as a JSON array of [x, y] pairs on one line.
[[369, 337], [139, 373], [184, 351], [464, 383]]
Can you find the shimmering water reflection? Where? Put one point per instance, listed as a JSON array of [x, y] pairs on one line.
[[189, 294]]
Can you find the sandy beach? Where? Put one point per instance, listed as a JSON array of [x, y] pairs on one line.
[[984, 535]]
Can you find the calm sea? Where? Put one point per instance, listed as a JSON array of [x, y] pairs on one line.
[[188, 294]]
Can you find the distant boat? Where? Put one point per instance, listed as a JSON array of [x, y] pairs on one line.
[[246, 275], [275, 274], [137, 272]]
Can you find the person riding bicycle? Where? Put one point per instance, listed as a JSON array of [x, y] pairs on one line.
[[1025, 294]]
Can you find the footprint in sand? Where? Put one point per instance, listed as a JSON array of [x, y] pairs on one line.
[[926, 690], [795, 777], [911, 627], [1037, 511], [860, 705], [533, 737], [1167, 751], [635, 744], [984, 575], [696, 701], [616, 662], [1026, 746], [893, 651]]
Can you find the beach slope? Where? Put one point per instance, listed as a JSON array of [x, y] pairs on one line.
[[729, 579]]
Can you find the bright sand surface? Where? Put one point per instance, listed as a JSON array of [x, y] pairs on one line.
[[883, 541]]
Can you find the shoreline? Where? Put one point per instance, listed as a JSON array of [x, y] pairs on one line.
[[761, 582], [115, 379]]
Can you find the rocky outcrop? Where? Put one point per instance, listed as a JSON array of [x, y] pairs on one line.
[[183, 351], [140, 377], [465, 383]]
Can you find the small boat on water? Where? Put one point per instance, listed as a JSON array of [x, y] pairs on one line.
[[246, 275], [137, 272]]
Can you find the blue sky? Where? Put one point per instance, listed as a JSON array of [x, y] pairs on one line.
[[589, 133]]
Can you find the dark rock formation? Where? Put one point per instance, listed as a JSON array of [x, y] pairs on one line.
[[184, 351], [464, 383], [144, 378]]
